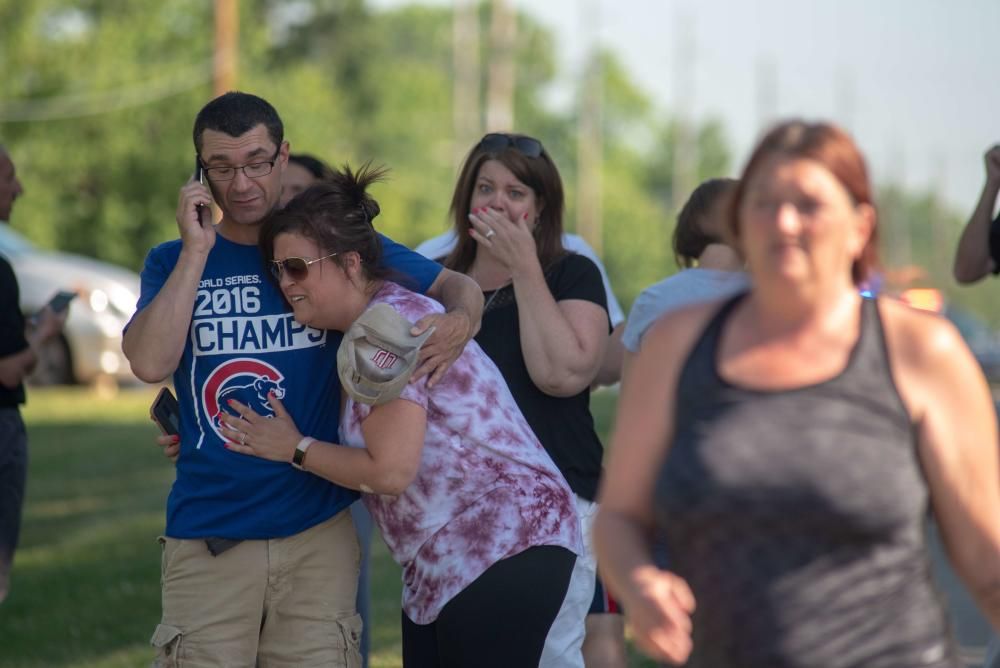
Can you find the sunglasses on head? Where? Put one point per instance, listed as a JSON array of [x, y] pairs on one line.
[[297, 268], [497, 141]]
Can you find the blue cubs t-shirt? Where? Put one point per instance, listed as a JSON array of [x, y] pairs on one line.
[[242, 344]]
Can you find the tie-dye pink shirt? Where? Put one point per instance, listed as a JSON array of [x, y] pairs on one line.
[[485, 489]]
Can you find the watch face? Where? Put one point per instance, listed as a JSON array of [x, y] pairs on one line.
[[300, 451]]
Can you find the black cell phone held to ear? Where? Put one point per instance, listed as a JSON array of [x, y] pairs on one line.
[[199, 176], [166, 412]]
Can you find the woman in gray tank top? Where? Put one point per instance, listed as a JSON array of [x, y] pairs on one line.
[[789, 442]]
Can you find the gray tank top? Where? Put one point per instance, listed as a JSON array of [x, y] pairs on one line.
[[797, 518]]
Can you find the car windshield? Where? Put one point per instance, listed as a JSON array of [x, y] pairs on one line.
[[12, 243]]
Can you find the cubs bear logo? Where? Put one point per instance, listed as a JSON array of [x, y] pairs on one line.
[[245, 379]]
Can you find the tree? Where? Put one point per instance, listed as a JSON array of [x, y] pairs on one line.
[[104, 94], [100, 96], [94, 114]]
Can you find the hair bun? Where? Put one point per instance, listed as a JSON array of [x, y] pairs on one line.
[[370, 208]]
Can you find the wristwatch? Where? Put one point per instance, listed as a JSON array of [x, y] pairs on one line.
[[299, 458]]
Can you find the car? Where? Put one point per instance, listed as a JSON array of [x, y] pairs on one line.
[[89, 349], [983, 341]]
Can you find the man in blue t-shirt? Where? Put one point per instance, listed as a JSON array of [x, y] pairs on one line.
[[259, 558]]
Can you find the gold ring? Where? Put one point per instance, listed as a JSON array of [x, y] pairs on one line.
[[243, 438]]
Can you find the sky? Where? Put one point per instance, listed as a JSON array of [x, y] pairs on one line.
[[917, 82]]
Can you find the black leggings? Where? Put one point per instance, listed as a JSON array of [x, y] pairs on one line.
[[501, 619]]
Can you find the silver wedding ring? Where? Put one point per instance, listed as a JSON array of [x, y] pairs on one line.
[[490, 233], [243, 438]]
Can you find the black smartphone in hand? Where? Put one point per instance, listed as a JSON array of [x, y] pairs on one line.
[[166, 412], [60, 301], [199, 176]]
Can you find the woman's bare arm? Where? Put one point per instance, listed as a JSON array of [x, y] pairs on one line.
[[951, 406]]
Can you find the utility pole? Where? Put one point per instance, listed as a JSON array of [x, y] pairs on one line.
[[465, 88], [227, 24], [766, 90], [500, 94], [941, 235], [590, 142], [844, 99], [685, 167], [896, 172]]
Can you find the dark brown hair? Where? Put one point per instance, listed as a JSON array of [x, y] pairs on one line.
[[235, 113], [692, 236], [337, 214], [319, 169], [540, 174], [836, 151]]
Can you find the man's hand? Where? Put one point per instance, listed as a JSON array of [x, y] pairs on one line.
[[451, 332], [194, 217], [16, 367], [48, 323]]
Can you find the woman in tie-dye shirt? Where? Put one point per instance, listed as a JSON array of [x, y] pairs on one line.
[[469, 503]]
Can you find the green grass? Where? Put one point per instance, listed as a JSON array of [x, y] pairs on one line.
[[85, 589], [85, 585]]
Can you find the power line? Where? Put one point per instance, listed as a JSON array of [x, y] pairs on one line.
[[94, 103]]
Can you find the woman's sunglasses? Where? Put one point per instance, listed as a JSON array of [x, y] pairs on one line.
[[297, 268], [497, 141]]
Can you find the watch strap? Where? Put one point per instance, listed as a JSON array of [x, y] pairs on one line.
[[299, 458]]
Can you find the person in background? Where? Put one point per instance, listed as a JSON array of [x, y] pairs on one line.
[[789, 442], [710, 268], [604, 643], [18, 356], [545, 325], [260, 563], [437, 248], [468, 502], [978, 252], [303, 171]]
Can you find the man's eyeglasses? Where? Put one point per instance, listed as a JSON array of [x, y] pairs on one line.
[[296, 267], [254, 170], [498, 141]]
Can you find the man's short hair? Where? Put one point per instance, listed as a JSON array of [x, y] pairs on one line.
[[236, 113]]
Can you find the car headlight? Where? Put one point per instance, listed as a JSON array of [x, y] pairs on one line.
[[116, 301], [98, 300], [123, 301]]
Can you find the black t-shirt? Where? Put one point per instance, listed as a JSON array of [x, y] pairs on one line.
[[12, 339], [564, 425]]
